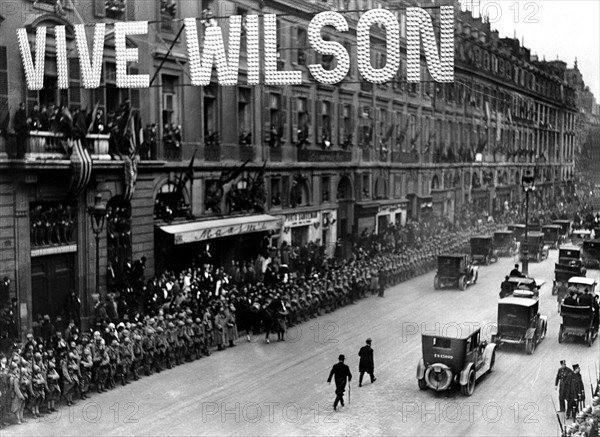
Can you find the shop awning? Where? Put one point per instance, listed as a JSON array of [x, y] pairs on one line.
[[209, 229]]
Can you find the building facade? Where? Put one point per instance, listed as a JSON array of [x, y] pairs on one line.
[[296, 164]]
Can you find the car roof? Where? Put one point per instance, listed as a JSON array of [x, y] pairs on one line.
[[570, 248], [561, 221], [517, 224], [452, 255], [595, 240], [552, 226], [466, 336], [519, 301], [520, 279], [582, 231], [582, 280], [535, 234], [487, 237], [503, 232]]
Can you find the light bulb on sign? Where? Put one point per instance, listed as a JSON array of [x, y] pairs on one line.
[[328, 48], [125, 55]]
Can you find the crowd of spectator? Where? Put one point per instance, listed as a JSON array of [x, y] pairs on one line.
[[176, 317]]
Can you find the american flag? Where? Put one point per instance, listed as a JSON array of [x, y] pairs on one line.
[[134, 136]]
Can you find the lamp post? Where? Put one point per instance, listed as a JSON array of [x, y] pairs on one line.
[[98, 215], [528, 185]]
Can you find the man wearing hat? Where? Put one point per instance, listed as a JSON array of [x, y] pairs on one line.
[[561, 383], [341, 372], [366, 363], [575, 392]]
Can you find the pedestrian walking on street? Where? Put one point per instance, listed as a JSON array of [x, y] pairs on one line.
[[576, 392], [342, 374], [561, 384], [366, 363]]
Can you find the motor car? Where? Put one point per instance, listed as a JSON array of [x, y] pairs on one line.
[[562, 274], [552, 235], [505, 243], [580, 235], [448, 362], [482, 250], [566, 228], [519, 321], [537, 250], [455, 270], [518, 230], [522, 284], [577, 321], [580, 285], [590, 253]]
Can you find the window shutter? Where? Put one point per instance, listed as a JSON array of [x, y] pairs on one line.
[[359, 117], [333, 120], [285, 192], [310, 118], [266, 118], [294, 43], [283, 119], [3, 83], [319, 123], [294, 109], [130, 10], [99, 8], [340, 124]]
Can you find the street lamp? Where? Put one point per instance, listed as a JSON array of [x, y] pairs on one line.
[[98, 215], [528, 185]]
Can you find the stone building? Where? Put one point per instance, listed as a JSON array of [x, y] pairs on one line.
[[296, 164]]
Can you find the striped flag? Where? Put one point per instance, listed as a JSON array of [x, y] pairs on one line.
[[94, 113], [131, 159], [81, 168]]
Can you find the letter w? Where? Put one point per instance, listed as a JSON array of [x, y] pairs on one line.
[[440, 67], [214, 52]]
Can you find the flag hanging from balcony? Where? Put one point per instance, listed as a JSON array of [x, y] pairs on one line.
[[133, 136], [81, 168]]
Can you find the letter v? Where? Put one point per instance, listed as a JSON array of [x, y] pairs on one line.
[[90, 71], [34, 74]]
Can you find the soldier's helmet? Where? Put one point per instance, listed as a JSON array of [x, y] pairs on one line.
[[198, 320], [189, 321], [159, 330], [181, 323], [114, 343], [170, 325]]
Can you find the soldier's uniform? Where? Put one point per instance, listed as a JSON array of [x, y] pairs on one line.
[[171, 337], [126, 356], [138, 356], [115, 361], [149, 351]]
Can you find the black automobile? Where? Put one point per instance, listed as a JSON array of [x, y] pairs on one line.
[[449, 361], [505, 243], [456, 270], [566, 227], [482, 250], [519, 321], [552, 235], [577, 321], [590, 253], [518, 230], [524, 284], [537, 250]]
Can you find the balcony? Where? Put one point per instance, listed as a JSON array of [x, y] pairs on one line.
[[232, 152], [45, 145], [307, 155], [401, 157], [49, 145]]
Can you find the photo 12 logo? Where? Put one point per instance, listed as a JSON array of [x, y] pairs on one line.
[[494, 11]]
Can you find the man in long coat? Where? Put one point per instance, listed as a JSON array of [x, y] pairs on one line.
[[366, 363], [342, 373], [575, 392], [562, 384]]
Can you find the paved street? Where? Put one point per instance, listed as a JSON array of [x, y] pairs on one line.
[[280, 389]]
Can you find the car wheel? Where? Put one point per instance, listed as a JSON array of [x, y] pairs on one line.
[[530, 346], [436, 282], [492, 362], [462, 283], [475, 277], [590, 338], [469, 387], [422, 384], [561, 334]]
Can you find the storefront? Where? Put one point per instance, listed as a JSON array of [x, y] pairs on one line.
[[391, 212], [220, 240], [366, 216], [301, 228]]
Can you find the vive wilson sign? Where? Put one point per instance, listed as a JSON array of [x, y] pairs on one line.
[[419, 25]]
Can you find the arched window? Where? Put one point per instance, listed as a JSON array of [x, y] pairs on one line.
[[435, 183], [380, 188], [344, 189], [170, 203]]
